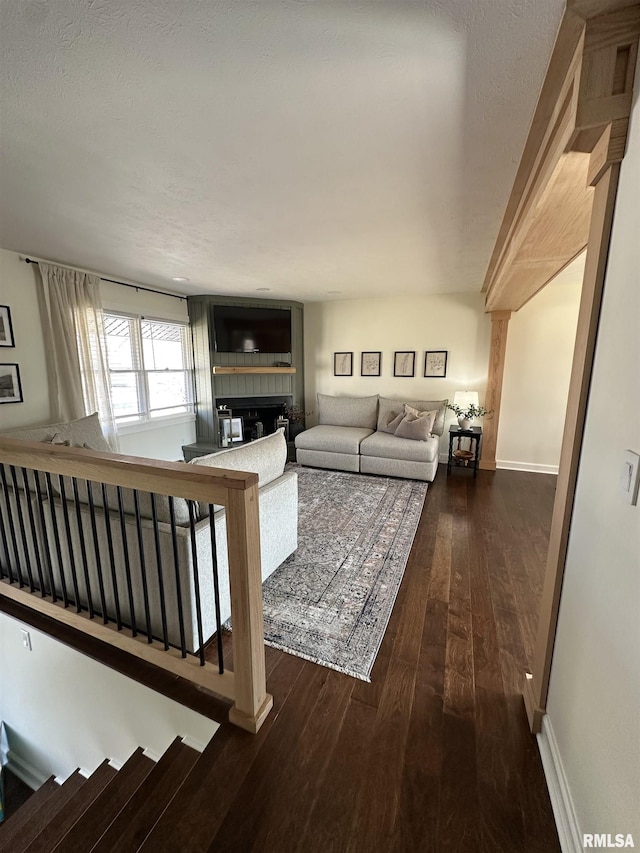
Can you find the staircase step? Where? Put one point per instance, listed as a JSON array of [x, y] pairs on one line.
[[51, 807], [97, 817], [15, 824], [136, 820], [73, 810]]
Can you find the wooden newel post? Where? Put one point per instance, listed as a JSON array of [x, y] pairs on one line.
[[252, 702]]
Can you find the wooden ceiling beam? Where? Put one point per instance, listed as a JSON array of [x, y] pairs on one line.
[[579, 130]]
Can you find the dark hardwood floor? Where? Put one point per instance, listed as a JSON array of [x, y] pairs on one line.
[[434, 754]]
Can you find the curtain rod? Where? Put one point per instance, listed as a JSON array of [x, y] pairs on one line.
[[124, 283]]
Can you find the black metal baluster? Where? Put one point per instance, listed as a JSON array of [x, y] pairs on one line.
[[23, 534], [163, 608], [34, 533], [96, 550], [112, 561], [216, 588], [56, 537], [143, 568], [45, 537], [72, 556], [12, 532], [83, 547], [127, 562], [5, 541], [196, 579], [176, 566]]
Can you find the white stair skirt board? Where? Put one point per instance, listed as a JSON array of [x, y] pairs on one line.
[[565, 816], [31, 776], [532, 467]]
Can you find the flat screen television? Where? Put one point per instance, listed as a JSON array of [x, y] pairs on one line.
[[246, 329]]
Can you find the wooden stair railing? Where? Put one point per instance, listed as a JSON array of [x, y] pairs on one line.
[[237, 491]]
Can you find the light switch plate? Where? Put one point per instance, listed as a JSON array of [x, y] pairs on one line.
[[630, 477], [26, 639]]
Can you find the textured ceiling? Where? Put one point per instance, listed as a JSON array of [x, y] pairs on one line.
[[305, 146]]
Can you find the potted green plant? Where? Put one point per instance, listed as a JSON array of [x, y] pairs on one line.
[[467, 413]]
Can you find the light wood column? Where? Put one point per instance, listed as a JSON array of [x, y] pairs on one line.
[[537, 683], [252, 702], [499, 329]]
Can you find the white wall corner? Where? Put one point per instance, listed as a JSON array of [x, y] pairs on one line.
[[564, 813]]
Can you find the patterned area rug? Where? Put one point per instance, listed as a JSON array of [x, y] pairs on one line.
[[331, 600]]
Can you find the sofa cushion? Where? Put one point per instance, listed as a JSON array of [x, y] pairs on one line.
[[393, 424], [388, 409], [266, 457], [348, 411], [391, 447], [333, 439], [77, 433]]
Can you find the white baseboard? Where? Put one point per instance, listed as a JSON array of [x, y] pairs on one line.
[[561, 802], [26, 772], [532, 467]]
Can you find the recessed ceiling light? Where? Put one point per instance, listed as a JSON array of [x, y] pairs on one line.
[[180, 278], [263, 288]]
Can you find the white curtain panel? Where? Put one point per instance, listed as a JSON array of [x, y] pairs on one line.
[[73, 325]]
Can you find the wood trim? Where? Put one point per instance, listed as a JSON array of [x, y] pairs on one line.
[[570, 34], [580, 129], [194, 482], [589, 313], [493, 397], [171, 661], [217, 370], [252, 702]]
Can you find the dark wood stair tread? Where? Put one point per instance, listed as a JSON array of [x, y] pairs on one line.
[[16, 822], [96, 819], [56, 829], [39, 819], [137, 818]]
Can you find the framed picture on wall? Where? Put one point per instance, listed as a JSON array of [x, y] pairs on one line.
[[435, 363], [370, 363], [404, 363], [6, 329], [10, 387], [343, 364]]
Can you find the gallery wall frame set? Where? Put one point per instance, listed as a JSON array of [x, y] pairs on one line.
[[404, 363], [6, 327], [10, 386]]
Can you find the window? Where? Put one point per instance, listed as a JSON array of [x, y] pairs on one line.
[[149, 367]]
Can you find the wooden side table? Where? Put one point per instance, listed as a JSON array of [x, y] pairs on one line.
[[458, 455]]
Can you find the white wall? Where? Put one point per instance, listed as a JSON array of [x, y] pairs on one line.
[[453, 322], [64, 710], [594, 695], [18, 291], [18, 283], [537, 373]]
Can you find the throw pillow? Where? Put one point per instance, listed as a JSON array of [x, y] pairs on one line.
[[393, 423], [416, 426]]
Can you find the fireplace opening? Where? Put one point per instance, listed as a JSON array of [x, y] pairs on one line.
[[259, 414]]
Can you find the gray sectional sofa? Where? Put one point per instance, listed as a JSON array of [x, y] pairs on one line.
[[278, 493], [368, 435]]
